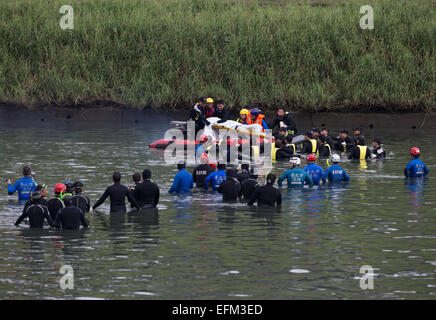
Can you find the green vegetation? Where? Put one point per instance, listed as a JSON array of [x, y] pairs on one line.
[[311, 55]]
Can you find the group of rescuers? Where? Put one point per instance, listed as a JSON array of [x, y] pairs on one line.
[[67, 208], [316, 141]]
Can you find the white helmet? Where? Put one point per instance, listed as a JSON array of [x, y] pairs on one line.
[[336, 157], [295, 160]]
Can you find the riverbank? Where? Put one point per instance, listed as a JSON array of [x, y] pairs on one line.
[[310, 56]]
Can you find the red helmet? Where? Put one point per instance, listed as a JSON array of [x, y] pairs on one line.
[[212, 164], [60, 188], [203, 138], [415, 151], [311, 157]]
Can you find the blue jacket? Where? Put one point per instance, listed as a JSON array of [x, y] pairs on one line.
[[216, 178], [183, 182], [335, 173], [24, 186], [296, 178], [315, 173], [416, 169]]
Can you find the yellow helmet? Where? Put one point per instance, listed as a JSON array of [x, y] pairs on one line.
[[209, 100], [244, 111]]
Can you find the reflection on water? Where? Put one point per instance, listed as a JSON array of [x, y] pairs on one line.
[[196, 246]]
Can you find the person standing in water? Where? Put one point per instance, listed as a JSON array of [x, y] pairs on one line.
[[335, 173], [416, 168], [183, 181], [266, 195], [56, 203], [70, 217], [296, 178], [36, 211], [24, 186]]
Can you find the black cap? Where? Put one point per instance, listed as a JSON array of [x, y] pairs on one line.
[[67, 200], [358, 129], [344, 131], [78, 184], [202, 99], [322, 138], [220, 101], [308, 134], [376, 140], [316, 130], [361, 139]]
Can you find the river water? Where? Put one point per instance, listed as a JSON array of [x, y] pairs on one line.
[[197, 247]]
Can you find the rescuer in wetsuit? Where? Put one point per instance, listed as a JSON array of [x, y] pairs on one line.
[[324, 149], [325, 132], [117, 194], [197, 114], [202, 171], [147, 192], [266, 195], [287, 150], [244, 173], [377, 151], [36, 211], [284, 119], [343, 142], [231, 187], [360, 151], [136, 177], [78, 199], [248, 186], [70, 217], [310, 145], [55, 204], [24, 186]]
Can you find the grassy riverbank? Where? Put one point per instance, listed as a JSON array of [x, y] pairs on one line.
[[310, 55]]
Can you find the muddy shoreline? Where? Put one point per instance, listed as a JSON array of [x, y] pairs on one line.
[[102, 114]]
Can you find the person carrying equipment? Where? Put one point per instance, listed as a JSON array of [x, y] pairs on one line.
[[296, 178], [324, 149], [266, 195], [78, 199], [284, 119], [36, 211], [202, 171], [243, 114], [343, 142], [24, 186], [216, 178], [360, 151], [377, 151], [313, 170], [221, 111], [197, 114], [147, 193], [183, 181], [255, 117], [56, 203], [335, 173], [310, 145], [117, 194], [416, 168], [70, 217], [231, 187]]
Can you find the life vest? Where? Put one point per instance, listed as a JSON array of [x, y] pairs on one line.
[[240, 120], [209, 112], [362, 152], [258, 120], [256, 151], [314, 145], [273, 151], [325, 145]]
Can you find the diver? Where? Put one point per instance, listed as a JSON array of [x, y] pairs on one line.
[[357, 133], [56, 203], [147, 193], [310, 145], [221, 112], [202, 171], [117, 194], [183, 181], [69, 188], [248, 186], [335, 173], [216, 178], [284, 119], [42, 189], [36, 211], [24, 186], [314, 170], [315, 133], [78, 199], [287, 149], [416, 168], [281, 134], [296, 178], [197, 114], [231, 187], [324, 149], [359, 151], [136, 177], [377, 151], [325, 132], [266, 195], [343, 141], [244, 173], [70, 217]]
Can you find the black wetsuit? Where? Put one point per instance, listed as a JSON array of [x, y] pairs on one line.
[[285, 152], [71, 217], [197, 114], [133, 193], [307, 147], [117, 194], [266, 195], [41, 201], [330, 141], [380, 153], [222, 114], [340, 147], [288, 121], [36, 211], [81, 201], [200, 173], [324, 151], [54, 205], [147, 194], [242, 176], [248, 187], [230, 189], [355, 153]]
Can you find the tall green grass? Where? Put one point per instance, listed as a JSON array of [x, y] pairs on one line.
[[310, 55]]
